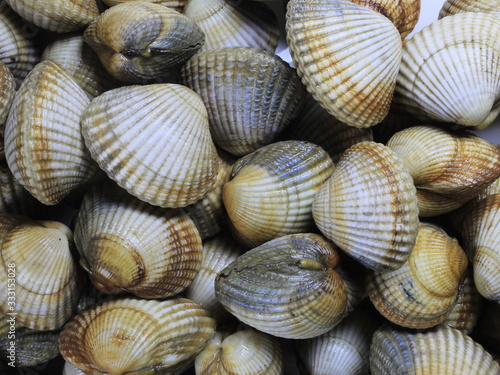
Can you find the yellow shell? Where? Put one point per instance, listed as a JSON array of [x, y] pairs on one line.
[[423, 291], [347, 55]]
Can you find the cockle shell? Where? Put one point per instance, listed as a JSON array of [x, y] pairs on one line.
[[286, 287], [342, 350], [154, 141], [448, 71], [245, 352], [81, 62], [423, 291], [59, 16], [250, 95], [451, 7], [177, 5], [448, 167], [235, 24], [139, 41], [217, 253], [368, 207], [37, 257], [439, 351], [347, 55], [478, 223], [69, 369], [128, 245], [129, 335], [18, 49], [7, 91], [44, 146], [271, 190]]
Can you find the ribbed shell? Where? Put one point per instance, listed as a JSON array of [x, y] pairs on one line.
[[245, 352], [7, 91], [271, 190], [235, 24], [448, 167], [423, 291], [44, 146], [47, 280], [316, 125], [347, 55], [250, 95], [343, 350], [478, 222], [451, 7], [138, 41], [17, 46], [69, 369], [154, 141], [177, 5], [127, 335], [368, 207], [59, 16], [439, 351], [217, 253], [81, 62], [128, 245], [449, 70], [286, 287]]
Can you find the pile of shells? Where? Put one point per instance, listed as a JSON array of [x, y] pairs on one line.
[[179, 197]]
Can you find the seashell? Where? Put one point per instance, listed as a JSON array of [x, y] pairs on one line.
[[235, 24], [442, 350], [354, 285], [271, 190], [265, 94], [217, 253], [347, 55], [448, 71], [342, 350], [44, 147], [59, 16], [154, 141], [451, 7], [245, 352], [177, 5], [81, 62], [209, 214], [478, 223], [31, 347], [69, 369], [136, 336], [127, 245], [17, 47], [404, 14], [36, 256], [465, 313], [493, 188], [138, 41], [314, 124], [423, 291], [368, 207], [7, 91], [448, 167], [286, 287]]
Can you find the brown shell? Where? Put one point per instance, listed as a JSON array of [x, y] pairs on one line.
[[7, 90], [177, 5], [451, 7]]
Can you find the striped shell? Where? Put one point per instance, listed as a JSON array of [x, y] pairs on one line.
[[286, 287], [127, 245], [347, 55], [7, 91], [451, 7], [250, 95], [154, 141], [129, 335], [177, 5], [449, 71], [271, 190], [368, 207], [423, 291], [44, 146]]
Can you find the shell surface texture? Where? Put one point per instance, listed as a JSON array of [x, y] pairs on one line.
[[347, 55], [7, 91], [138, 41], [286, 287], [368, 207], [154, 141]]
